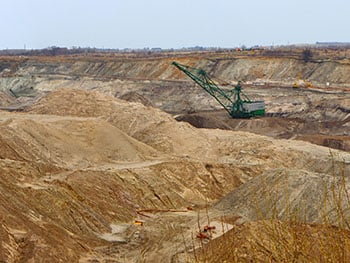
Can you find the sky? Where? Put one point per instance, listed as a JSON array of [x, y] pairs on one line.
[[36, 24]]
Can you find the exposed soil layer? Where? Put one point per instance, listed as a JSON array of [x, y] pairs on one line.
[[88, 177]]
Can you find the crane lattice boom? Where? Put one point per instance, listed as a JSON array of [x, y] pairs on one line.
[[232, 101]]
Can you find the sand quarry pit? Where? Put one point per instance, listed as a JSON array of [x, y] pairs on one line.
[[121, 167]]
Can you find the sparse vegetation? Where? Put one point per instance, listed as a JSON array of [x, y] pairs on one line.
[[290, 238]]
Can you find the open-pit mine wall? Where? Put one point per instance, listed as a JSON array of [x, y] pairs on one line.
[[42, 72]]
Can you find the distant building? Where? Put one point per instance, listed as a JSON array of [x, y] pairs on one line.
[[333, 44]]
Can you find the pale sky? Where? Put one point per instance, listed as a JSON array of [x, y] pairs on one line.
[[171, 23]]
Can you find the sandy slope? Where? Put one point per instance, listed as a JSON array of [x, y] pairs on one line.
[[79, 167], [59, 140], [159, 130]]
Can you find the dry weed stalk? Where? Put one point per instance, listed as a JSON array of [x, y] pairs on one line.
[[290, 236], [293, 246]]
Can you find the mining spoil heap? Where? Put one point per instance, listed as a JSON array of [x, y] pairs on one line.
[[86, 177], [118, 159]]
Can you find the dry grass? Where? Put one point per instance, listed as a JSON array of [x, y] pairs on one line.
[[290, 238], [277, 241]]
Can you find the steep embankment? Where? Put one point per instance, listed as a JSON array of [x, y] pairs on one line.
[[46, 74]]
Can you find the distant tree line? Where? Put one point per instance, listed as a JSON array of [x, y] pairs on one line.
[[50, 51], [57, 51], [303, 52]]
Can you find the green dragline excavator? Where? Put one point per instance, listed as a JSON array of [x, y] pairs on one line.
[[234, 102]]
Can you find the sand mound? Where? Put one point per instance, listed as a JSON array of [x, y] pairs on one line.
[[161, 131], [149, 125], [289, 195], [77, 142]]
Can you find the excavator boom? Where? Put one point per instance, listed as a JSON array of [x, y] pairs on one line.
[[231, 101], [203, 80]]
